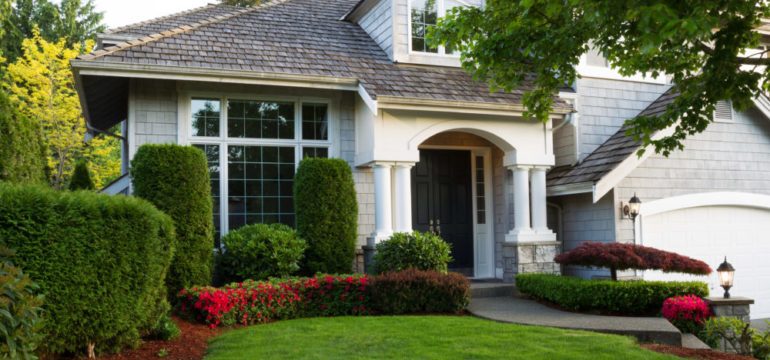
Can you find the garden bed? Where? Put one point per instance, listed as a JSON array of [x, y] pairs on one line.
[[702, 354], [190, 345]]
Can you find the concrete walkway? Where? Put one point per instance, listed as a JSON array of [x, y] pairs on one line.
[[522, 311]]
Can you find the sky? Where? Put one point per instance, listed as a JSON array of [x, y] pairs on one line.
[[124, 12]]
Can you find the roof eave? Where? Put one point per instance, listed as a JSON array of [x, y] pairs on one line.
[[457, 106], [102, 68]]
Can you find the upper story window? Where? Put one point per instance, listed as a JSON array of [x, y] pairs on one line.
[[424, 15]]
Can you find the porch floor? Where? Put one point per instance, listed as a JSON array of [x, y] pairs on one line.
[[514, 309]]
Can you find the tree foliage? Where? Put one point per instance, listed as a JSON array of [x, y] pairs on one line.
[[41, 86], [240, 3], [81, 177], [76, 21], [22, 150], [704, 46], [617, 256]]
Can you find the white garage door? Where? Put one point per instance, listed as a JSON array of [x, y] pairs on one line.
[[710, 233]]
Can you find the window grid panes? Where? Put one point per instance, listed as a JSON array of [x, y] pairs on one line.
[[260, 119], [212, 155], [424, 14], [316, 152], [481, 209], [205, 117], [260, 185], [315, 123]]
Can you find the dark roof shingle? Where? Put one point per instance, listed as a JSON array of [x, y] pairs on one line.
[[610, 154], [297, 37]]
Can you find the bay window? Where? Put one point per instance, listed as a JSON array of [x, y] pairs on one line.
[[253, 147]]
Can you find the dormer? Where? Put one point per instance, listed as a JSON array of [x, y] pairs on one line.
[[399, 27]]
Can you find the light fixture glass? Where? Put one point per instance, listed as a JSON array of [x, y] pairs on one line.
[[726, 276]]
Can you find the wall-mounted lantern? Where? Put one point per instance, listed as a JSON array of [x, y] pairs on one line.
[[631, 209], [726, 276]]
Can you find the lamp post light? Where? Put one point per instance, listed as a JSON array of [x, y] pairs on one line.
[[631, 209], [726, 276]]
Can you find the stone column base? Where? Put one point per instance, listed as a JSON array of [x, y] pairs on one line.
[[530, 257], [738, 307]]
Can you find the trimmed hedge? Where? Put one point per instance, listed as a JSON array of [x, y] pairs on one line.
[[22, 148], [327, 214], [176, 180], [624, 297], [260, 251], [415, 291], [422, 251], [81, 177], [253, 302], [99, 260]]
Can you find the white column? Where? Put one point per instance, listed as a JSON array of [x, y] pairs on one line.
[[539, 211], [403, 197], [521, 199], [383, 226]]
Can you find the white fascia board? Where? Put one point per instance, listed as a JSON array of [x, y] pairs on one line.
[[463, 107], [212, 75], [570, 189], [367, 99], [614, 177], [763, 104]]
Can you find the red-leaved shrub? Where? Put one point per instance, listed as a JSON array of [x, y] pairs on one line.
[[415, 291], [617, 256], [252, 302], [687, 313]]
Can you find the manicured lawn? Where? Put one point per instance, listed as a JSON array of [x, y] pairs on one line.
[[418, 337]]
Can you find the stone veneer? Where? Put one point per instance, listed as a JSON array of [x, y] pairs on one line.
[[530, 257], [738, 307]]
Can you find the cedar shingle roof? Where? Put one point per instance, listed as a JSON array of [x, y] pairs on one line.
[[610, 154], [296, 37]]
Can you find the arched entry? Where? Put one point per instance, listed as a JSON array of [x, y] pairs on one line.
[[452, 196]]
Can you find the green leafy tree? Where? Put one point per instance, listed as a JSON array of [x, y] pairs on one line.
[[81, 177], [22, 149], [75, 21], [704, 46], [240, 3]]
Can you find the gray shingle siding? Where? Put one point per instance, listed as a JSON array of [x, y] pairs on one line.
[[604, 105], [378, 23], [155, 112], [726, 157]]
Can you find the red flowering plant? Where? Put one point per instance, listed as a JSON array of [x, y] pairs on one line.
[[252, 302], [688, 313]]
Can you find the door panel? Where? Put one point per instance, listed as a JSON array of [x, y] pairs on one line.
[[442, 191]]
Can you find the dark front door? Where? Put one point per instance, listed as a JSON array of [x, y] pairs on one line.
[[441, 202]]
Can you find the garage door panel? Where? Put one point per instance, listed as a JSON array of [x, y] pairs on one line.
[[711, 233]]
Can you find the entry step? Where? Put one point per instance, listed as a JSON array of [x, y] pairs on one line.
[[484, 289]]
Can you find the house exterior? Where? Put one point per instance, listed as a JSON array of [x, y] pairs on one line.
[[258, 89]]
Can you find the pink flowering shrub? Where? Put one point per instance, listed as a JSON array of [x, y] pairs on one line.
[[252, 302], [688, 313]]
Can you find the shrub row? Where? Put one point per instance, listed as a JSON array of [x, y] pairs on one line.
[[252, 302], [99, 260], [624, 297], [415, 291]]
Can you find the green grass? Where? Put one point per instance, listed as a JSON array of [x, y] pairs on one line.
[[418, 337]]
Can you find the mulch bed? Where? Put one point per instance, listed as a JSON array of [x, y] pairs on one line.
[[190, 345], [703, 354]]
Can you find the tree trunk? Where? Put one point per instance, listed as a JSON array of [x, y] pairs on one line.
[[614, 274], [91, 352]]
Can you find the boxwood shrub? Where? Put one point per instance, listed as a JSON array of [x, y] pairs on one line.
[[327, 214], [260, 251], [176, 180], [99, 260], [422, 251], [622, 297], [415, 291]]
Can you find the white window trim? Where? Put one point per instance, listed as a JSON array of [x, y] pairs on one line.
[[184, 137], [601, 72], [440, 12]]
